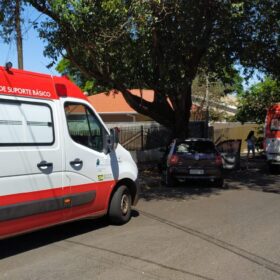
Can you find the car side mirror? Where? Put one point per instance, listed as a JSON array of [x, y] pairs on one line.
[[113, 139]]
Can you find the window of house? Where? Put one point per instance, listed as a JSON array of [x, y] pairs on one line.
[[84, 127], [25, 123]]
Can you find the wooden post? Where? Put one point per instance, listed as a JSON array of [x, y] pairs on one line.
[[142, 137], [18, 34]]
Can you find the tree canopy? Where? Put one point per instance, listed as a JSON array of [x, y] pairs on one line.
[[10, 24], [161, 45], [255, 102], [7, 20]]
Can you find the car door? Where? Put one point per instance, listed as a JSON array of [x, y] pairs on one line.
[[230, 152], [87, 165], [30, 165]]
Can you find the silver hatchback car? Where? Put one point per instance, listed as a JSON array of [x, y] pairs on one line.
[[193, 158]]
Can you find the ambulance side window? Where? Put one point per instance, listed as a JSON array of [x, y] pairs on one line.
[[83, 126], [25, 124]]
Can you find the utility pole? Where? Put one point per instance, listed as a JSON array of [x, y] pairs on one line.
[[18, 34]]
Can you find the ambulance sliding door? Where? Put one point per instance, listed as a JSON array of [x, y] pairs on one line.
[[30, 164]]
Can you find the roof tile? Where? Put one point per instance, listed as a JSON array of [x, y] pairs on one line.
[[115, 102]]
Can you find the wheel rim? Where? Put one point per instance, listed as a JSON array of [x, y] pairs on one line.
[[125, 204]]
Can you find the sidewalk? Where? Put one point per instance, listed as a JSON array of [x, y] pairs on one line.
[[259, 162]]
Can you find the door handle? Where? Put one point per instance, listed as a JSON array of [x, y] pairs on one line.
[[76, 162], [44, 165]]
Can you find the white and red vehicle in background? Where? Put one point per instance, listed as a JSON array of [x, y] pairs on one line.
[[272, 136], [58, 161]]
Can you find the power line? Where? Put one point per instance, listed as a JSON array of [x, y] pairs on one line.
[[9, 50], [31, 24]]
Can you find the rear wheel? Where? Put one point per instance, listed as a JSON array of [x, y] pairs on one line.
[[219, 183], [120, 206], [169, 181]]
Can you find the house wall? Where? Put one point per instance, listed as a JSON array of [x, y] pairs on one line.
[[225, 131], [118, 118], [142, 118], [109, 118]]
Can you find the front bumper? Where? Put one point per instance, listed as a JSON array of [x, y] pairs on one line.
[[137, 192], [273, 162], [273, 158]]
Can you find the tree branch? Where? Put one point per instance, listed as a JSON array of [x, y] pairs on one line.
[[43, 9], [160, 113]]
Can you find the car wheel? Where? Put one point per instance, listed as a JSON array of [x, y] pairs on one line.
[[219, 183], [120, 206], [273, 169], [169, 181], [162, 177]]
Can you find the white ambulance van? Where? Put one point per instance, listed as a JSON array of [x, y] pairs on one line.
[[58, 161], [272, 137]]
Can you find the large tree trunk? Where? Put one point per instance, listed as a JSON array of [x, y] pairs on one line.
[[176, 118], [182, 113]]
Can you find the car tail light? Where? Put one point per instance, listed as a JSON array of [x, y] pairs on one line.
[[174, 160], [219, 160]]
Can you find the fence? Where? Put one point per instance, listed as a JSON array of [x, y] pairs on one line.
[[144, 138], [140, 137]]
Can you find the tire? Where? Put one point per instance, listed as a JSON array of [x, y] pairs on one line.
[[120, 206], [162, 178], [219, 183], [273, 169], [169, 181]]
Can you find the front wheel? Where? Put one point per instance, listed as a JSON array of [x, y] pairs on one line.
[[273, 169], [120, 206]]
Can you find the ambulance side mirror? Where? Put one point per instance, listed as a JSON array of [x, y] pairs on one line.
[[113, 139]]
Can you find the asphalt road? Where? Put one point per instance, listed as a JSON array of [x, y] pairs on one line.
[[189, 232]]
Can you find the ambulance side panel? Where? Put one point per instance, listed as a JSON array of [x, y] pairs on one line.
[[31, 165], [54, 162], [272, 135]]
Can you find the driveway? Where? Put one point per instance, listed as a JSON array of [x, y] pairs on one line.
[[189, 232]]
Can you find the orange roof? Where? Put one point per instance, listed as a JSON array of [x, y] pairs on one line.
[[115, 103]]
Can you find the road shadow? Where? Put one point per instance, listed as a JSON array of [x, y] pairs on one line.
[[257, 179], [253, 175], [153, 189], [26, 242], [184, 191]]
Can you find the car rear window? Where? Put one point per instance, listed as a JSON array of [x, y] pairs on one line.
[[203, 147]]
